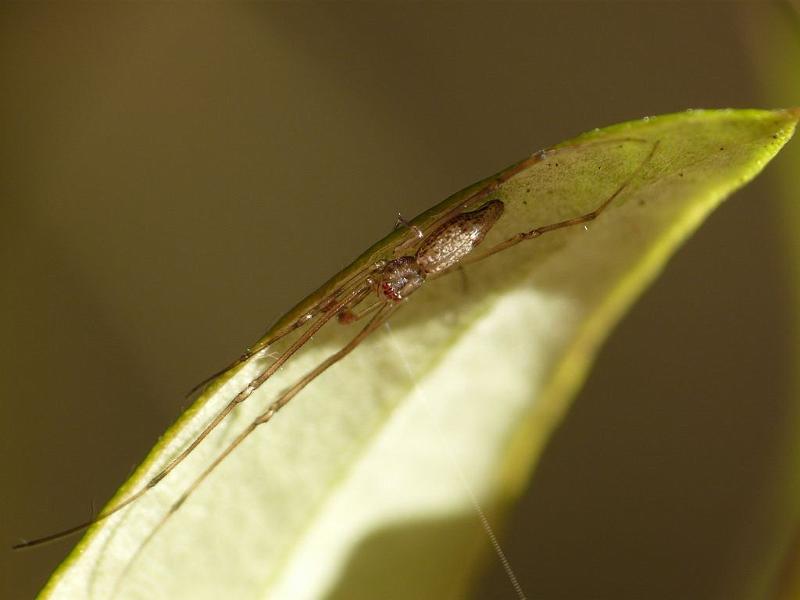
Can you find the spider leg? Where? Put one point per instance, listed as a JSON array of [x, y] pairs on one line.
[[250, 352], [374, 323], [492, 186], [584, 218], [288, 328], [316, 325], [347, 315]]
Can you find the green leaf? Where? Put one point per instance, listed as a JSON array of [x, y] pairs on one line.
[[363, 486]]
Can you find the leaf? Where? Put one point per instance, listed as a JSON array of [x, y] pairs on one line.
[[363, 486]]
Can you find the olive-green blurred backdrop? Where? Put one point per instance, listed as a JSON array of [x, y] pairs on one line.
[[173, 177]]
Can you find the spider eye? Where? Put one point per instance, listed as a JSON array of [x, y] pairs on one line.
[[400, 278]]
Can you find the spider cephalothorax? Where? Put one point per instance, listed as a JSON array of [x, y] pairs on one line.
[[399, 278]]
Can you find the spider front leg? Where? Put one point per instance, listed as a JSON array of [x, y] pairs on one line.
[[359, 285], [251, 352], [281, 332]]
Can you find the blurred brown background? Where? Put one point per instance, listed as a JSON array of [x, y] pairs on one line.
[[173, 177]]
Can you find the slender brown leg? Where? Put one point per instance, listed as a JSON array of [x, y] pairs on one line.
[[218, 418], [250, 352], [374, 323], [495, 183], [462, 206], [349, 315], [590, 216], [287, 329]]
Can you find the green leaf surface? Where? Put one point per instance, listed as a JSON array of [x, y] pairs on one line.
[[365, 485]]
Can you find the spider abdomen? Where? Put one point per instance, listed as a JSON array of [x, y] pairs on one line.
[[455, 239]]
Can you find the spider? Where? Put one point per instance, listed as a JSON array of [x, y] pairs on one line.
[[448, 243]]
